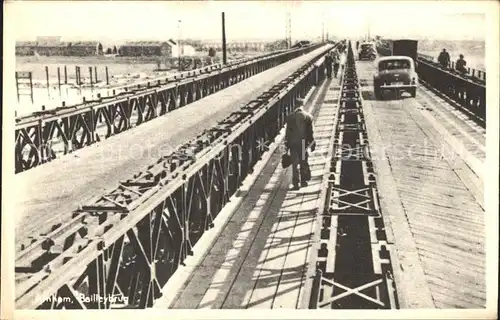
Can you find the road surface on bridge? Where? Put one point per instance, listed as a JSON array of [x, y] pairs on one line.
[[432, 195], [433, 160], [49, 193]]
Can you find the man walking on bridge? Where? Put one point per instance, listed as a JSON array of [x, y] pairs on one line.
[[336, 62], [299, 136], [328, 64]]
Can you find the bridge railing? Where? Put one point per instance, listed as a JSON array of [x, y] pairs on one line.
[[472, 74], [130, 241], [44, 136], [468, 94]]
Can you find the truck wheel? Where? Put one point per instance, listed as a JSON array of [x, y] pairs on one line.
[[378, 94], [413, 92]]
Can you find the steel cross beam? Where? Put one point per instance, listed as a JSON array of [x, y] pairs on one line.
[[44, 136], [137, 235]]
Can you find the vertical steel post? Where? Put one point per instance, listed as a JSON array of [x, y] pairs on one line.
[[224, 57]]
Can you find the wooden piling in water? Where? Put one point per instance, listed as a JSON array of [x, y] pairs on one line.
[[65, 75], [107, 77], [48, 83], [59, 79], [90, 73], [95, 74]]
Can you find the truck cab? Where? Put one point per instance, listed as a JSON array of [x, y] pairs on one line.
[[367, 51]]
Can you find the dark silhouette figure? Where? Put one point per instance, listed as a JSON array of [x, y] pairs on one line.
[[444, 58], [461, 64], [299, 136], [328, 65]]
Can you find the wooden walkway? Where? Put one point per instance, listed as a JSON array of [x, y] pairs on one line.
[[259, 259], [434, 161]]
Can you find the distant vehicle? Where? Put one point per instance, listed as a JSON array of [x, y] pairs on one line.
[[301, 44], [367, 51], [397, 71]]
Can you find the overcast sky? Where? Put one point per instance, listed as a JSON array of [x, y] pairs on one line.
[[118, 21]]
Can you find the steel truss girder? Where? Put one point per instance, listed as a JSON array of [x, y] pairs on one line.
[[348, 208], [156, 217], [44, 136]]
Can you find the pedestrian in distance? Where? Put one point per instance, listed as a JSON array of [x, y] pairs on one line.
[[461, 64], [444, 59], [343, 59], [328, 65], [299, 136], [336, 63]]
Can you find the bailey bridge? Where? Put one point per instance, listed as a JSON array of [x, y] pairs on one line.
[[170, 193]]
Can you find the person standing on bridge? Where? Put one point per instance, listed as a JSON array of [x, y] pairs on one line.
[[460, 65], [328, 65], [444, 58], [336, 62], [343, 58], [299, 136]]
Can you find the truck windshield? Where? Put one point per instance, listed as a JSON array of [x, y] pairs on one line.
[[394, 64], [366, 46]]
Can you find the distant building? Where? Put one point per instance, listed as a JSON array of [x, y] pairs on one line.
[[84, 48], [25, 48], [185, 49], [52, 46], [146, 48], [51, 49]]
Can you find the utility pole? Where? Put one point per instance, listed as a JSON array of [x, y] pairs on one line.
[[179, 44], [224, 57], [288, 30], [323, 27]]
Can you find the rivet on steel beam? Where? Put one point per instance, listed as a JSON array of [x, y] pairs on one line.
[[101, 244]]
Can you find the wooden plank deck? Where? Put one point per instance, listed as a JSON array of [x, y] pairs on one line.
[[260, 258], [436, 186]]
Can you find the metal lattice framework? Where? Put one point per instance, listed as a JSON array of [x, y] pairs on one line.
[[129, 241], [350, 263], [46, 135]]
